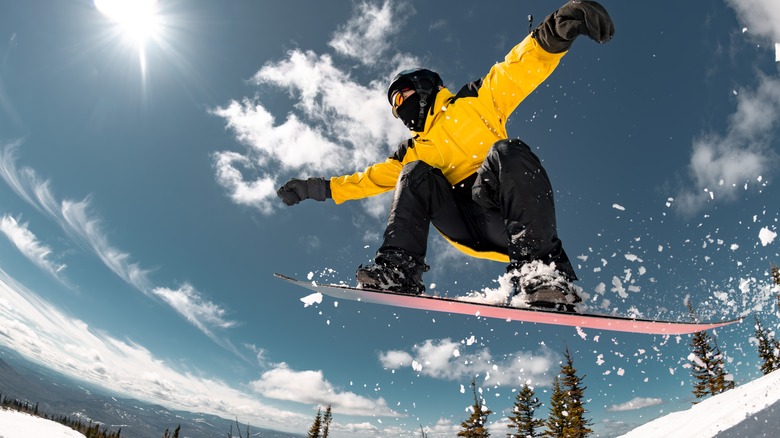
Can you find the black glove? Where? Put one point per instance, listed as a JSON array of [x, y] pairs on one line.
[[578, 17], [296, 190]]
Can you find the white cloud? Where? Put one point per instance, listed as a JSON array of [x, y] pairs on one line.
[[446, 359], [395, 359], [365, 37], [338, 124], [37, 330], [29, 245], [84, 228], [25, 182], [197, 310], [257, 193], [34, 328], [635, 403], [283, 383], [292, 144], [723, 164], [761, 17]]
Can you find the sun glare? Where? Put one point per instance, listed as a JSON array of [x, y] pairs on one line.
[[137, 20]]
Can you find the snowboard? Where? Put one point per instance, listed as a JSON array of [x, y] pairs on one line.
[[542, 316]]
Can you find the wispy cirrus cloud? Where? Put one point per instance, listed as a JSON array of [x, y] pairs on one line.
[[450, 360], [338, 123], [190, 303], [84, 228], [28, 244]]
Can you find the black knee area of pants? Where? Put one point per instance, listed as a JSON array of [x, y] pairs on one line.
[[509, 161], [508, 148]]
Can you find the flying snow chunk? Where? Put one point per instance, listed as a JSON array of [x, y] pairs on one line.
[[315, 298], [618, 207], [767, 236]]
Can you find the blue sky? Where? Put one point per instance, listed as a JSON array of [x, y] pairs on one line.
[[141, 227]]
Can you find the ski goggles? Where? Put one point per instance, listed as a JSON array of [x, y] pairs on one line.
[[398, 99]]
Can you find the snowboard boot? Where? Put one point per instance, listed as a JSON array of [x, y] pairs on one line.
[[393, 271], [543, 286]]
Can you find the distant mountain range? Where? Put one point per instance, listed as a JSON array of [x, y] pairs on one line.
[[57, 394]]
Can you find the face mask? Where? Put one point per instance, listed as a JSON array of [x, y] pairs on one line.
[[409, 112]]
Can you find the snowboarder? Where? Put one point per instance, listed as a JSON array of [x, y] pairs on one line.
[[486, 194]]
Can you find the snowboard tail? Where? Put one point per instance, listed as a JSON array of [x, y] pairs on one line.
[[541, 316]]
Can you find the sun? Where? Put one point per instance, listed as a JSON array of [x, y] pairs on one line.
[[137, 20]]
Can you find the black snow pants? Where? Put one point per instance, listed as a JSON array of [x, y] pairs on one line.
[[506, 207]]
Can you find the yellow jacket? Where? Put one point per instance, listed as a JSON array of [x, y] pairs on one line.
[[460, 129]]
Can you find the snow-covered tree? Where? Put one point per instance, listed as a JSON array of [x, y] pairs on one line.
[[768, 349], [522, 423], [567, 404], [476, 425]]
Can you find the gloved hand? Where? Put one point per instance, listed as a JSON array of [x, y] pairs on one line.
[[577, 17], [296, 190]]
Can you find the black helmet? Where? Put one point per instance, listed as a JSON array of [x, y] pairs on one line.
[[426, 84], [421, 79]]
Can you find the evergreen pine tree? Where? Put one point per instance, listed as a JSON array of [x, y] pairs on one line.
[[721, 380], [776, 280], [700, 356], [523, 422], [578, 425], [768, 349], [556, 420], [709, 368], [567, 407], [175, 434], [700, 369], [326, 419], [476, 425], [315, 429]]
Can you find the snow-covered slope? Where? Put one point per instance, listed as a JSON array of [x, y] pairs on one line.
[[14, 424], [721, 413]]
